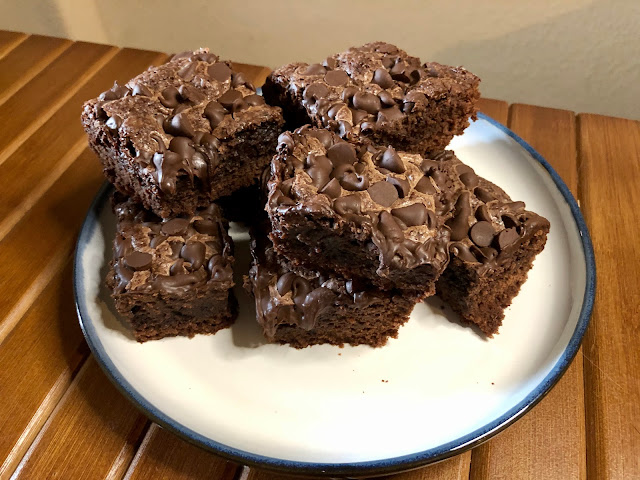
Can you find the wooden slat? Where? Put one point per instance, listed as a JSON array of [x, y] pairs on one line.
[[164, 455], [44, 237], [50, 346], [10, 40], [456, 468], [609, 176], [36, 102], [93, 432], [42, 158], [26, 60], [496, 109], [549, 442]]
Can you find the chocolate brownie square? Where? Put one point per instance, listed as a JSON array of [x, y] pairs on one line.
[[380, 92], [305, 308], [182, 134], [172, 277], [494, 241], [357, 210]]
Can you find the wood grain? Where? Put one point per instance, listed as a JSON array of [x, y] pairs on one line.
[[37, 101], [26, 60], [164, 455], [609, 174], [10, 40], [496, 109], [45, 234], [49, 151], [456, 468], [548, 442], [93, 432], [49, 342]]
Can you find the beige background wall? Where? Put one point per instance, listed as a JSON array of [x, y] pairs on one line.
[[582, 55]]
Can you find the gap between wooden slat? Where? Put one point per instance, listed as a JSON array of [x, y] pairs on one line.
[[30, 200], [47, 114], [52, 415], [31, 294], [40, 417], [120, 466], [10, 46], [141, 449], [33, 71]]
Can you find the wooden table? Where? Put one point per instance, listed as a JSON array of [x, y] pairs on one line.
[[60, 416]]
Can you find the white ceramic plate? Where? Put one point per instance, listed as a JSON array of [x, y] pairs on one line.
[[436, 390]]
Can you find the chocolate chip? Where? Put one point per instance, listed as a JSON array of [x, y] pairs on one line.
[[412, 215], [358, 115], [188, 71], [414, 97], [254, 100], [141, 90], [332, 189], [319, 168], [348, 93], [286, 140], [347, 204], [388, 61], [175, 226], [182, 146], [283, 285], [367, 102], [459, 224], [470, 179], [336, 78], [190, 94], [425, 186], [116, 92], [386, 99], [482, 234], [219, 269], [387, 115], [170, 97], [344, 129], [342, 153], [333, 111], [206, 227], [461, 251], [179, 125], [381, 77], [383, 193], [389, 227], [314, 92], [315, 69], [232, 100], [215, 113], [399, 67], [219, 72], [329, 63], [510, 221], [507, 237], [482, 214], [402, 186], [392, 161], [483, 195], [206, 57], [194, 253], [349, 178], [238, 79], [138, 261], [431, 72]]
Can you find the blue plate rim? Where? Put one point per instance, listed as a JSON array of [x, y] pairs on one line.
[[373, 467]]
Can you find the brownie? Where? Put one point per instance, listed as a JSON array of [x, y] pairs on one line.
[[380, 92], [494, 241], [305, 308], [182, 134], [173, 276], [361, 211]]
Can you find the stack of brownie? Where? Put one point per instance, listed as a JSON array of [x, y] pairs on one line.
[[368, 214], [172, 141]]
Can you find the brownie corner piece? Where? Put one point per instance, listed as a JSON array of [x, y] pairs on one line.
[[494, 242], [378, 91], [182, 134], [172, 277], [361, 211], [304, 307]]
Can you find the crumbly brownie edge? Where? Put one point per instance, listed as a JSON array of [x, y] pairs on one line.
[[480, 295]]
